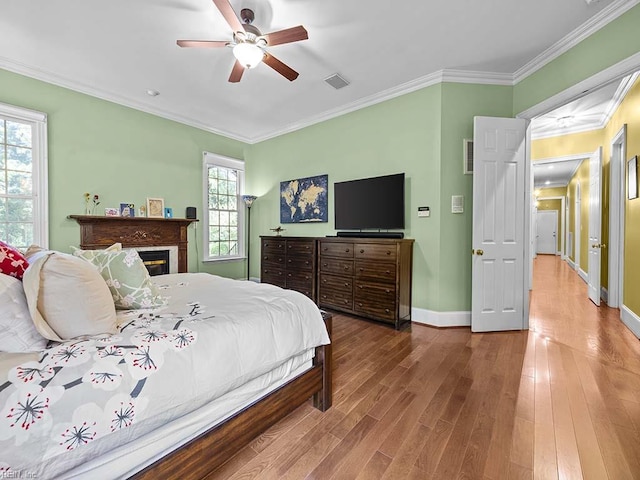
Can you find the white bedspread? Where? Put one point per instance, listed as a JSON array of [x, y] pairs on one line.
[[80, 399]]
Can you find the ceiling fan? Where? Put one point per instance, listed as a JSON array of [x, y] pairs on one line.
[[249, 44]]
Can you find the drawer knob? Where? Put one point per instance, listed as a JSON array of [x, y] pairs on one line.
[[324, 281], [362, 269], [266, 271], [324, 296], [388, 252], [345, 302], [290, 246], [346, 268], [289, 274], [386, 310], [324, 264], [307, 262], [388, 291], [346, 284], [307, 247], [388, 272], [360, 304], [325, 249], [347, 250], [360, 287], [306, 277], [362, 250]]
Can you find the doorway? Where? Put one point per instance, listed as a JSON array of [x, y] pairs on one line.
[[546, 232]]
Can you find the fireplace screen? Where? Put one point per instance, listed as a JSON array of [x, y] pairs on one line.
[[156, 261]]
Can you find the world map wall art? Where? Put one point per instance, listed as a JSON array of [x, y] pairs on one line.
[[304, 200]]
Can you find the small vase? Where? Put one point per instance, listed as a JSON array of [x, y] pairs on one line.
[[87, 210]]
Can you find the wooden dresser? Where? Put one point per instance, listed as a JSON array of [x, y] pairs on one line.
[[289, 262], [370, 277]]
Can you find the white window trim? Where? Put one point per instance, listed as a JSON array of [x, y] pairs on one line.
[[209, 159], [38, 121]]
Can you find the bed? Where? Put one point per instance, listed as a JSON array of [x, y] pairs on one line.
[[179, 388]]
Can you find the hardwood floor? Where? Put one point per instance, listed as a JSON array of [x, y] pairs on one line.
[[559, 401]]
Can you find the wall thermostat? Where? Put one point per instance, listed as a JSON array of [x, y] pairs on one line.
[[424, 211], [457, 204]]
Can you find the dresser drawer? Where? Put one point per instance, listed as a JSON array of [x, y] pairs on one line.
[[377, 310], [299, 277], [304, 289], [300, 263], [337, 283], [375, 251], [336, 298], [273, 246], [377, 271], [273, 257], [273, 274], [335, 265], [344, 250], [375, 292], [300, 247]]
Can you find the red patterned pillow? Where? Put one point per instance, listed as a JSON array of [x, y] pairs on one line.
[[12, 262]]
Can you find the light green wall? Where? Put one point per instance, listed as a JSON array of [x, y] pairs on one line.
[[460, 103], [122, 154], [399, 135]]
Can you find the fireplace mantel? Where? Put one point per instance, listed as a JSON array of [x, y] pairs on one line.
[[134, 232]]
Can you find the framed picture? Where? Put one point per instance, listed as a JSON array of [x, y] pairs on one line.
[[632, 178], [168, 212], [127, 210], [155, 207], [304, 200], [111, 212]]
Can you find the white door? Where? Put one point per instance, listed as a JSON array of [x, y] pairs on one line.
[[546, 231], [498, 290], [595, 223]]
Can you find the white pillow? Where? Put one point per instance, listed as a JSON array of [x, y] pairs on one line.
[[17, 332], [67, 297]]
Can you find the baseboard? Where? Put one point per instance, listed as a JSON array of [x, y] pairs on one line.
[[631, 320], [571, 263], [441, 319], [604, 294], [583, 275], [253, 279], [559, 253]]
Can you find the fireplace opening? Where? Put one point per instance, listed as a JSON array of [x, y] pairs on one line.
[[156, 261]]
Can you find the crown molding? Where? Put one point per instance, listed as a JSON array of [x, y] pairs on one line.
[[565, 158], [112, 97], [559, 132], [618, 97], [595, 23], [483, 78], [551, 185]]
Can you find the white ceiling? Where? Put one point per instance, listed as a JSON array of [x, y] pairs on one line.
[[119, 49], [554, 174]]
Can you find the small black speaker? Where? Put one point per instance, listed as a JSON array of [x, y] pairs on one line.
[[191, 213]]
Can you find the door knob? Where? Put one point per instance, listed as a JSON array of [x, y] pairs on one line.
[[479, 252]]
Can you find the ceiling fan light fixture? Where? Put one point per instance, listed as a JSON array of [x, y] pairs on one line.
[[248, 54]]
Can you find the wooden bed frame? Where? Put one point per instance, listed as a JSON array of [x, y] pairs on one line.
[[210, 450]]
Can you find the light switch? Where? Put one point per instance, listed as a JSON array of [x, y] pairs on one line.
[[457, 204]]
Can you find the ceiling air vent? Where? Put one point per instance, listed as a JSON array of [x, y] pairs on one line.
[[468, 155], [336, 81]]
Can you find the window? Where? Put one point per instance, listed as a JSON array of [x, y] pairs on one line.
[[23, 177], [224, 183]]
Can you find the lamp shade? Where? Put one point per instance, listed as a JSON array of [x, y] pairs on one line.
[[248, 54], [248, 200]]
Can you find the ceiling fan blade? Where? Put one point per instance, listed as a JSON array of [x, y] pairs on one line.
[[236, 73], [289, 35], [202, 43], [229, 15], [284, 70]]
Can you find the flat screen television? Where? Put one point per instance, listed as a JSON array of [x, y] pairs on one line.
[[370, 203]]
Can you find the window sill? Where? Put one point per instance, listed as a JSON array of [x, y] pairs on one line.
[[224, 259]]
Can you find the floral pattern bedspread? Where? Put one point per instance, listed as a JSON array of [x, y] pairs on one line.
[[78, 399]]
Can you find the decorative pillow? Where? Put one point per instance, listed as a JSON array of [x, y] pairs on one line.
[[127, 278], [91, 254], [17, 332], [67, 297], [12, 262]]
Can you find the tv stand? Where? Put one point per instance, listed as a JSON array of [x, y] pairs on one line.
[[371, 234]]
